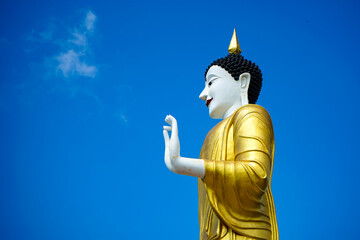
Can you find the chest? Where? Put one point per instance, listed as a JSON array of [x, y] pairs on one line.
[[219, 143]]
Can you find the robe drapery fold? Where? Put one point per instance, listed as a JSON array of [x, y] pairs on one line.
[[235, 200]]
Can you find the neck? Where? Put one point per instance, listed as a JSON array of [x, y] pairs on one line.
[[231, 110]]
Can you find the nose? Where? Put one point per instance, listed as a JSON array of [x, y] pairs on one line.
[[204, 94]]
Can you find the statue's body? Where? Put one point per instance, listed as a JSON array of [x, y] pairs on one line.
[[236, 160], [236, 185]]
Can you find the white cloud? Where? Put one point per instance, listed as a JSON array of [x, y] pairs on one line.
[[70, 63], [73, 57], [79, 39], [73, 60], [90, 20]]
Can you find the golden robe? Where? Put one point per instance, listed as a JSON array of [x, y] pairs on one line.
[[235, 200]]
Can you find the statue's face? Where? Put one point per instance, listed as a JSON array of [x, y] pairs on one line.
[[221, 92]]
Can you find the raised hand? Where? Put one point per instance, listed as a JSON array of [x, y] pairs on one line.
[[186, 166], [172, 145]]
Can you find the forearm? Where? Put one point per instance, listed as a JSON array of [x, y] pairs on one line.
[[189, 166]]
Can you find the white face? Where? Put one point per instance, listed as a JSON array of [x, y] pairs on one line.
[[221, 93]]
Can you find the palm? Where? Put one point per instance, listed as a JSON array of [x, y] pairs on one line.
[[172, 145]]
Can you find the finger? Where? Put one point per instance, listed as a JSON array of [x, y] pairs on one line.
[[167, 159], [166, 137], [167, 119], [174, 128], [167, 155], [167, 128], [170, 119]]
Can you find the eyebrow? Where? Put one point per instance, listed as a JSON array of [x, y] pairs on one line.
[[210, 76]]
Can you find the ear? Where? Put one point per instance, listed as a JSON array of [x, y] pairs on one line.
[[244, 85], [245, 81]]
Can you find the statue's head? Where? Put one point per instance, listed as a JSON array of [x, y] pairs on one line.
[[230, 83]]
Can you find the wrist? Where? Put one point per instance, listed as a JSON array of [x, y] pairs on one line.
[[176, 162]]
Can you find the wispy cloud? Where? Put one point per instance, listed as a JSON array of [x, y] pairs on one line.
[[120, 116], [64, 48], [44, 36], [79, 39], [73, 60], [90, 20], [71, 63]]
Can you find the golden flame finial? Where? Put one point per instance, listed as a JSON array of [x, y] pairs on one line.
[[234, 46]]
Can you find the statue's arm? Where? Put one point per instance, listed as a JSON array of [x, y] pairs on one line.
[[174, 162]]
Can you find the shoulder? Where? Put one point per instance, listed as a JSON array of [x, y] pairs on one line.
[[251, 110], [253, 120]]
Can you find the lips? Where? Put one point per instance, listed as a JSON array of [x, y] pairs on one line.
[[208, 102]]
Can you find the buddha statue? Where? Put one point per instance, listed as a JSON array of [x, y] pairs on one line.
[[235, 166]]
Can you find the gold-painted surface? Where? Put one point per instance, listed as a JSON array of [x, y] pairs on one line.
[[235, 200], [234, 46]]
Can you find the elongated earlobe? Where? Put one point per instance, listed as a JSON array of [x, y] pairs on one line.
[[244, 83]]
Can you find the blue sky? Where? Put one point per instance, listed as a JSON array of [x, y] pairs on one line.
[[85, 87]]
